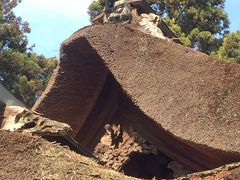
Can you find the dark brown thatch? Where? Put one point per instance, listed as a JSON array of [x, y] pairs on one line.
[[182, 101]]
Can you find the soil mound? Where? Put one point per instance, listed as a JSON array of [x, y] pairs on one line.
[[182, 101]]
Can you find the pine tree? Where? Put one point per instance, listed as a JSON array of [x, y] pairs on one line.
[[202, 22], [230, 49], [13, 29]]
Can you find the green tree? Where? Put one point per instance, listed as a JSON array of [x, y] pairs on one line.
[[12, 29], [25, 75], [22, 72], [202, 22], [230, 49]]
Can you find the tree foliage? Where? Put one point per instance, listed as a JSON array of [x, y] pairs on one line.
[[26, 75], [12, 29], [22, 72], [201, 22], [230, 49]]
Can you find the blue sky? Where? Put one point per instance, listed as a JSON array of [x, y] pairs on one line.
[[233, 9], [53, 21]]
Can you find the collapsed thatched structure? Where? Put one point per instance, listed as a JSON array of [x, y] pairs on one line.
[[182, 102]]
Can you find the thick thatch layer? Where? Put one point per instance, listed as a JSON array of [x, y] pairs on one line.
[[182, 101], [30, 157]]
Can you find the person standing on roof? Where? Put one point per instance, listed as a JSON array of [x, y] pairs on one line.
[[117, 11]]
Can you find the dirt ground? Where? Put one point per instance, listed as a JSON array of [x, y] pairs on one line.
[[26, 157]]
